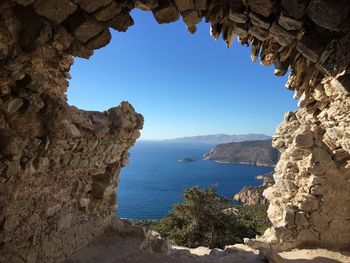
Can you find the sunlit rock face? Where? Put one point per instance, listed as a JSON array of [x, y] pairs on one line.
[[59, 165], [309, 203]]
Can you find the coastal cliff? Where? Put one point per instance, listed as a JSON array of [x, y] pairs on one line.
[[221, 138], [252, 195], [249, 152]]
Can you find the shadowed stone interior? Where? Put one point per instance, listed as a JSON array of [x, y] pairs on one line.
[[59, 165]]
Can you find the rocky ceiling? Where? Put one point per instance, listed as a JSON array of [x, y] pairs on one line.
[[59, 165]]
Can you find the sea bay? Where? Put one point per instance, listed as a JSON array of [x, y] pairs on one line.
[[154, 180]]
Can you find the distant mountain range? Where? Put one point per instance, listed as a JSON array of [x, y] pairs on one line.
[[258, 152], [221, 138]]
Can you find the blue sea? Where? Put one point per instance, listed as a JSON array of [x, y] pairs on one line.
[[154, 180]]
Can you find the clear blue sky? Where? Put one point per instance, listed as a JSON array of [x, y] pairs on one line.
[[183, 84]]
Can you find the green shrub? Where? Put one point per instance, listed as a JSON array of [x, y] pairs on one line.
[[254, 217], [200, 220]]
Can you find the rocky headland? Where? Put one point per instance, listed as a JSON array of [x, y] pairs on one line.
[[259, 153], [252, 195], [221, 138]]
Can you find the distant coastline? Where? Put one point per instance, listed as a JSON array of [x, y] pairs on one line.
[[259, 153], [245, 163], [154, 168], [216, 139]]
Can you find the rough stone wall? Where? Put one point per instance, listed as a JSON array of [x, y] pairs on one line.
[[58, 180], [310, 202], [59, 165]]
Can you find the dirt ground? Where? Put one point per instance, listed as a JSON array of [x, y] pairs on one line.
[[117, 246]]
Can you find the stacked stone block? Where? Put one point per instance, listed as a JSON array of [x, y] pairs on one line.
[[59, 165]]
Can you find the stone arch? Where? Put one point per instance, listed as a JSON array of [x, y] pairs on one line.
[[59, 165]]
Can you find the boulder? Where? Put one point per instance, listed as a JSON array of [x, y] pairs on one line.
[[57, 11], [330, 14], [90, 6], [262, 7], [166, 12], [295, 8], [304, 140]]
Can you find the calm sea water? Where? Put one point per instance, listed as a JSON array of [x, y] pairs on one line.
[[154, 179]]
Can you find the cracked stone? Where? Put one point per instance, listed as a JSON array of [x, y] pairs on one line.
[[56, 11]]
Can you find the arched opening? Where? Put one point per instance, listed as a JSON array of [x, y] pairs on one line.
[[179, 93], [49, 165]]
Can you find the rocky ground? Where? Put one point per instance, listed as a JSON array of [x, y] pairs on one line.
[[125, 243]]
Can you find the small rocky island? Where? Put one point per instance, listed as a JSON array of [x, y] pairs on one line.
[[186, 160]]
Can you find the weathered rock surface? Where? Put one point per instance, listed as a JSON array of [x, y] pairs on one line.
[[58, 178], [252, 195], [59, 165], [221, 138], [309, 203], [248, 152], [122, 241]]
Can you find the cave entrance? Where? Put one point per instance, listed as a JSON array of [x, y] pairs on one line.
[[185, 86], [60, 165]]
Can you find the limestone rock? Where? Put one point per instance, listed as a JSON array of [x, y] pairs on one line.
[[108, 12], [308, 235], [121, 22], [53, 210], [260, 21], [99, 41], [146, 4], [330, 14], [62, 39], [258, 32], [56, 11], [90, 6], [155, 243], [309, 47], [166, 12], [191, 17], [264, 7], [65, 222], [11, 106], [304, 140], [252, 195], [289, 23], [282, 36], [300, 219], [183, 5], [85, 28], [295, 8], [200, 4], [240, 18], [72, 129], [25, 2], [80, 50]]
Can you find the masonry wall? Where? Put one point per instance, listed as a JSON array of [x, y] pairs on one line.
[[309, 203], [59, 165]]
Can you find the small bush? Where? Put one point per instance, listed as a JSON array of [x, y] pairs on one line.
[[201, 220], [254, 217]]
